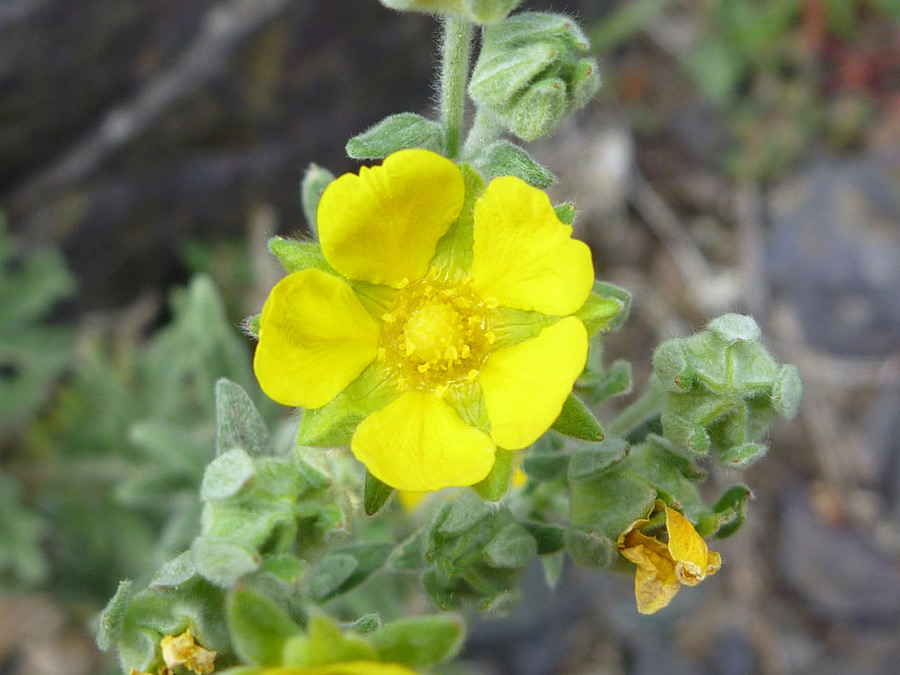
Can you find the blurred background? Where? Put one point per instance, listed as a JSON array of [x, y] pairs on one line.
[[743, 155]]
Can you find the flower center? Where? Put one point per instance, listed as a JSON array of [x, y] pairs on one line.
[[436, 335]]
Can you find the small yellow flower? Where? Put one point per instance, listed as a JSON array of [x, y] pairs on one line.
[[663, 568], [461, 312], [184, 650]]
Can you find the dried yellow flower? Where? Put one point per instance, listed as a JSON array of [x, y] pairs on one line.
[[664, 567], [183, 650]]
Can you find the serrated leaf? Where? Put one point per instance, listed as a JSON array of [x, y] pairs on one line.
[[503, 158], [396, 132]]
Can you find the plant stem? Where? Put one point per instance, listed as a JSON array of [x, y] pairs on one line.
[[485, 130], [645, 408], [456, 45]]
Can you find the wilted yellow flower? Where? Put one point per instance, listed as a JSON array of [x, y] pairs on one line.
[[461, 314], [183, 650], [664, 567]]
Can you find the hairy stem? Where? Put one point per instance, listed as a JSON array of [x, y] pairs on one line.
[[485, 130], [456, 46], [648, 406]]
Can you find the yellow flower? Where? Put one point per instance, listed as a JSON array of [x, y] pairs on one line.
[[184, 650], [457, 310], [663, 568]]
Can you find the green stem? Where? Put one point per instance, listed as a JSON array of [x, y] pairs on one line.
[[456, 46], [648, 406], [485, 130]]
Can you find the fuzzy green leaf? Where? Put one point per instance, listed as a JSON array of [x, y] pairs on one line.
[[503, 158], [420, 642], [397, 132], [577, 421], [376, 494], [259, 627], [238, 423], [314, 182]]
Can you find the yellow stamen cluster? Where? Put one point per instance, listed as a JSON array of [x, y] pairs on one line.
[[436, 335]]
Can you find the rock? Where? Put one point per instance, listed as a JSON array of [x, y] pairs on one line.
[[834, 568], [834, 252]]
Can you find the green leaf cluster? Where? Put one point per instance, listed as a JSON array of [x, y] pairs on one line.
[[724, 390]]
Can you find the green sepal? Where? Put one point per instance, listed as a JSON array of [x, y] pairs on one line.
[[590, 548], [453, 253], [334, 423], [396, 132], [592, 461], [565, 212], [503, 158], [584, 83], [606, 308], [375, 494], [324, 644], [259, 627], [420, 642], [611, 502], [296, 255], [557, 29], [538, 111], [549, 538], [497, 482], [334, 574], [238, 422], [577, 421], [787, 390], [730, 511], [314, 182], [250, 326], [512, 326], [499, 76]]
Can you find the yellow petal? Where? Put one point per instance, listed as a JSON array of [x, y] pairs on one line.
[[419, 443], [383, 225], [655, 580], [523, 255], [184, 650], [525, 385], [315, 338], [693, 560]]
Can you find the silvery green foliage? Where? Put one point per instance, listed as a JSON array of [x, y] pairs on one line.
[[32, 353], [724, 391], [533, 70]]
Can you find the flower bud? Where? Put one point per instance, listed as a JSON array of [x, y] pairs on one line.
[[533, 71]]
